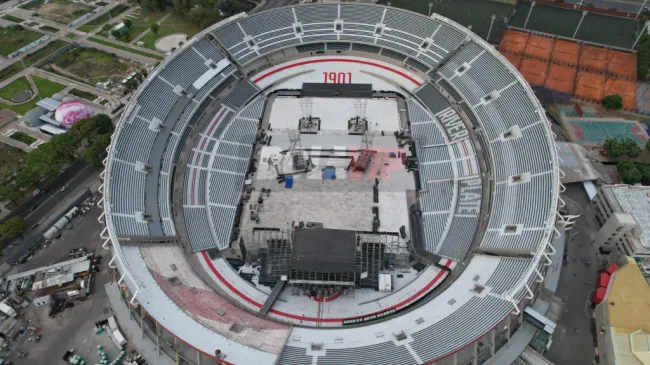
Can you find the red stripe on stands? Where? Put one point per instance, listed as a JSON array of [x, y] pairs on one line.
[[312, 319], [343, 60]]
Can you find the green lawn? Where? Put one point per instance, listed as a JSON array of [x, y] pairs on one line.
[[173, 24], [12, 18], [126, 49], [10, 70], [24, 138], [16, 37], [38, 55], [71, 36], [83, 94], [47, 28], [10, 90], [45, 87]]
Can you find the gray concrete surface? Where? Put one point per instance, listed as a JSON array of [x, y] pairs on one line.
[[573, 341]]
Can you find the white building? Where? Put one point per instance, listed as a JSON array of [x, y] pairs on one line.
[[623, 215]]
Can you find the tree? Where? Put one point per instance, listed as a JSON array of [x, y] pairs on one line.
[[154, 28], [11, 192], [116, 33], [106, 28], [647, 144], [13, 227], [634, 151], [128, 22], [612, 102], [614, 148], [632, 176], [29, 177], [94, 153]]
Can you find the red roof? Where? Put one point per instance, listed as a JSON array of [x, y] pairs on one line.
[[603, 280], [613, 267], [599, 295]]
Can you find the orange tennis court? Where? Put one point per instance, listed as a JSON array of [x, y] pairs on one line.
[[593, 58], [514, 59], [625, 88], [534, 71], [561, 78], [590, 86], [565, 52], [539, 47], [513, 42], [622, 64]]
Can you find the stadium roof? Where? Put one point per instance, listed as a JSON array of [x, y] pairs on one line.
[[323, 250]]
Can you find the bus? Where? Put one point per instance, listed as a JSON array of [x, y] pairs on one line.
[[51, 130]]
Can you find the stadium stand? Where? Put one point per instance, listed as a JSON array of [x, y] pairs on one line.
[[490, 289]]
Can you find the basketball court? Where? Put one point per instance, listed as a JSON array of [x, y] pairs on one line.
[[565, 52], [594, 132], [561, 78], [593, 58], [534, 71], [539, 47], [590, 86]]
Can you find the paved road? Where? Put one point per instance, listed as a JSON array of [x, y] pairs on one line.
[[573, 340], [46, 208]]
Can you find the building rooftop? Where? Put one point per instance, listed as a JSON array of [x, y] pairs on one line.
[[629, 299], [635, 200]]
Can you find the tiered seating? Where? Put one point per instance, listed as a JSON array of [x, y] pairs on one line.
[[225, 188], [128, 196], [275, 23], [511, 108], [183, 70], [417, 114], [459, 237], [532, 156], [198, 228], [156, 100], [526, 241], [471, 321], [230, 164], [135, 142], [208, 50], [437, 197], [433, 154], [436, 171], [234, 150], [523, 203], [222, 219], [242, 93], [435, 101], [508, 272], [434, 227], [427, 134], [382, 353], [294, 356], [126, 225]]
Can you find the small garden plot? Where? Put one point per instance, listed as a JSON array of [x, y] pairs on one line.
[[60, 11], [90, 65], [15, 37], [24, 138], [47, 28], [83, 94], [12, 18], [172, 25]]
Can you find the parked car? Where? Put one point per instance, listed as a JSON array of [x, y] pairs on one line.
[[65, 187]]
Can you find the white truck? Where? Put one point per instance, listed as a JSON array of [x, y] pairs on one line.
[[7, 309], [65, 221]]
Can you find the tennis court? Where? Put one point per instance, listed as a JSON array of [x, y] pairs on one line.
[[513, 42], [539, 47], [590, 86], [611, 30], [534, 71], [593, 58], [547, 19], [514, 59], [570, 110], [625, 88], [594, 132], [622, 64], [561, 78], [566, 52]]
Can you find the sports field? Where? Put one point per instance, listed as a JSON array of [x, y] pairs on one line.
[[597, 28], [593, 132], [474, 13], [572, 68]]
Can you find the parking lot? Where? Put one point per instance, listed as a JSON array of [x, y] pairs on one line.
[[72, 328]]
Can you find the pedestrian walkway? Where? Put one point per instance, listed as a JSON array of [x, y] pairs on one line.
[[131, 329]]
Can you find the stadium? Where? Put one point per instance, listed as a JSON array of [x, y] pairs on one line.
[[331, 184]]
